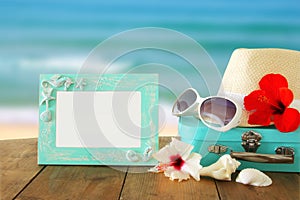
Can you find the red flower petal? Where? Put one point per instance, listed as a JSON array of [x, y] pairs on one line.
[[257, 100], [286, 96], [260, 118], [271, 84], [287, 122]]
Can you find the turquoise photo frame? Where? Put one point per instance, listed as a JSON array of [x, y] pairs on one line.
[[92, 119]]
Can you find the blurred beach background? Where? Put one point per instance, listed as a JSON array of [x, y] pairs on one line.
[[56, 37]]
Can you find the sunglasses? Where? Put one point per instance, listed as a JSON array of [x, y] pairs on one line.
[[216, 112]]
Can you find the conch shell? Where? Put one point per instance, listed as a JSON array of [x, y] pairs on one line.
[[222, 169], [253, 177]]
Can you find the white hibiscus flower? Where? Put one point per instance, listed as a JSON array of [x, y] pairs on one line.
[[177, 161]]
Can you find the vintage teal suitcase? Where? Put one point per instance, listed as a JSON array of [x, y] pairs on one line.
[[263, 148]]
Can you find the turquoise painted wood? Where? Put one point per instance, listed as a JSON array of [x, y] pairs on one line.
[[50, 154], [194, 132]]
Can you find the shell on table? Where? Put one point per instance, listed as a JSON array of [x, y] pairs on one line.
[[222, 169], [253, 177]]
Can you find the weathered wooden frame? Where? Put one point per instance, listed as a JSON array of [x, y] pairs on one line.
[[50, 85]]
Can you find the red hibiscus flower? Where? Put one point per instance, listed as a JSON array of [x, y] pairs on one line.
[[270, 104]]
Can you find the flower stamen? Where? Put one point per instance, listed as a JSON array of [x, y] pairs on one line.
[[263, 99], [278, 107]]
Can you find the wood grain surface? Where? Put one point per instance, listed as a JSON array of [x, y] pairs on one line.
[[157, 186], [75, 182], [284, 186], [22, 178], [18, 165]]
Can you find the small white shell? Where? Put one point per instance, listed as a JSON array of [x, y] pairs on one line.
[[46, 116], [132, 156], [147, 153], [253, 177]]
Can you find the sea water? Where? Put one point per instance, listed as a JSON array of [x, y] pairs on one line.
[[57, 36]]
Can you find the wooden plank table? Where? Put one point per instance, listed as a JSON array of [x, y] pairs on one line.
[[22, 178]]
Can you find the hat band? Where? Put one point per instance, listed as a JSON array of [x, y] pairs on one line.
[[239, 99]]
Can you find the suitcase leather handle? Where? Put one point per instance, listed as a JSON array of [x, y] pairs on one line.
[[264, 158]]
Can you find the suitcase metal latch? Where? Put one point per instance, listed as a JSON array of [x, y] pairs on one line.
[[217, 149], [251, 141]]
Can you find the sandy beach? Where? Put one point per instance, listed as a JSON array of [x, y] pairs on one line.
[[18, 131]]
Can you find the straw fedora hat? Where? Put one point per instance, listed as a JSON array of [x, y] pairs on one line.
[[246, 67]]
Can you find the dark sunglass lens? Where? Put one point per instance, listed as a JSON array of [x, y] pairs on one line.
[[217, 111]]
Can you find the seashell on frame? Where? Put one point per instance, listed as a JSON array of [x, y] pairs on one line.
[[46, 116], [253, 177], [132, 156]]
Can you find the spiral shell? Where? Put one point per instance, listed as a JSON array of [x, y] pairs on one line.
[[132, 156], [222, 169], [253, 177]]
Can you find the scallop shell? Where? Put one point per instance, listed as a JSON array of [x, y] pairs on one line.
[[253, 177]]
